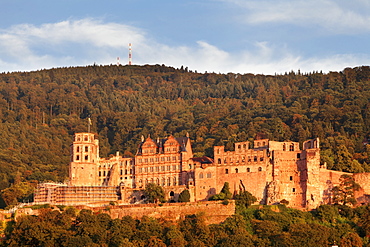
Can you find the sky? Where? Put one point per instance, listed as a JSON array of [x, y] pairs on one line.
[[221, 36]]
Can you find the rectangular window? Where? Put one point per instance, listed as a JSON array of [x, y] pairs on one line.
[[293, 190], [291, 178]]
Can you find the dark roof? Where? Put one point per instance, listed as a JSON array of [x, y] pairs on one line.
[[203, 160]]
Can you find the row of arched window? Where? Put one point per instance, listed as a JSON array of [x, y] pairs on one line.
[[227, 171], [158, 181], [80, 148], [243, 159]]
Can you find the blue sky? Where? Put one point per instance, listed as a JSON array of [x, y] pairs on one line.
[[239, 36]]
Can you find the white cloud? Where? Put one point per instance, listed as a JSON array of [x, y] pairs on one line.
[[29, 47], [83, 42], [338, 16]]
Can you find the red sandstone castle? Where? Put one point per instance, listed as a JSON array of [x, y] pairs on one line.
[[270, 170]]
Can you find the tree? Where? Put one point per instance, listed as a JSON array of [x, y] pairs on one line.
[[154, 193], [344, 193], [351, 239], [224, 193], [184, 196], [243, 200]]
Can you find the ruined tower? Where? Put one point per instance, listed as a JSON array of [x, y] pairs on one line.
[[84, 160]]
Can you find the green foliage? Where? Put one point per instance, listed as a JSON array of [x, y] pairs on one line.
[[256, 226], [154, 193], [243, 200], [224, 193], [344, 193], [184, 196]]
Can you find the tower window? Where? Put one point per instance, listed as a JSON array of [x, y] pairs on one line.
[[293, 190], [77, 157], [291, 178], [236, 170], [248, 169], [86, 157], [226, 171], [86, 149], [260, 169]]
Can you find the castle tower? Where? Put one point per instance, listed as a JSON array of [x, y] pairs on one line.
[[83, 168]]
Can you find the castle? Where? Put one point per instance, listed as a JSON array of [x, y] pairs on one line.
[[272, 171]]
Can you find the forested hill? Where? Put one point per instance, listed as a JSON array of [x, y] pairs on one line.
[[41, 110]]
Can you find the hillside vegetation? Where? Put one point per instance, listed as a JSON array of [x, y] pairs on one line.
[[40, 111]]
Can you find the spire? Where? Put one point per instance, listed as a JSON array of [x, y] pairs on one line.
[[89, 125]]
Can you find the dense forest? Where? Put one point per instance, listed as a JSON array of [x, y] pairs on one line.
[[253, 226], [41, 110]]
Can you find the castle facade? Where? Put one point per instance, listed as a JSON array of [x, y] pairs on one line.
[[272, 171]]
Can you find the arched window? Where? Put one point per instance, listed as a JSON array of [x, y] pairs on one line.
[[291, 148], [219, 161], [226, 171], [248, 169], [284, 147], [78, 149], [172, 193], [244, 146], [163, 181], [174, 181], [201, 175], [209, 175], [259, 169], [157, 181], [236, 170]]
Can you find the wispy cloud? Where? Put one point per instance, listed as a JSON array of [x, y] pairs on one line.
[[83, 42], [338, 16]]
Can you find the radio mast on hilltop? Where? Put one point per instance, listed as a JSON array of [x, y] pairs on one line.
[[129, 54], [118, 63]]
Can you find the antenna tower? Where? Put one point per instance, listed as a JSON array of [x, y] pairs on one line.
[[129, 54], [118, 63]]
